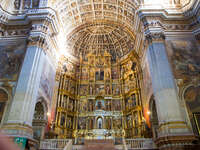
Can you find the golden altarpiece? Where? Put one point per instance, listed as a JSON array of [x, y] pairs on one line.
[[99, 98]]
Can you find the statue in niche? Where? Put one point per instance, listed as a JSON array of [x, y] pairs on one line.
[[129, 120], [99, 61], [62, 121], [80, 123], [71, 86], [133, 66], [90, 107], [82, 106], [84, 74], [91, 61], [176, 1], [36, 3], [117, 105], [114, 73], [118, 124], [17, 4], [99, 105], [100, 123], [108, 123], [66, 84], [91, 123], [83, 90], [92, 71], [108, 105], [97, 90], [27, 4], [122, 71], [102, 75], [133, 97], [85, 105], [70, 105], [69, 123], [107, 61], [107, 74], [107, 89], [90, 90], [64, 101], [117, 91], [97, 75], [129, 104]]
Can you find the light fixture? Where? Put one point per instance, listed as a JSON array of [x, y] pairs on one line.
[[48, 114], [148, 112]]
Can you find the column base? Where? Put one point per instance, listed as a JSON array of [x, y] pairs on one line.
[[180, 142], [20, 134], [17, 130]]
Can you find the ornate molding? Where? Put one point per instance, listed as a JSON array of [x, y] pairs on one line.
[[37, 40], [14, 32], [171, 141], [3, 16], [17, 129]]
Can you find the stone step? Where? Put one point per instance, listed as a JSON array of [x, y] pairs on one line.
[[99, 145]]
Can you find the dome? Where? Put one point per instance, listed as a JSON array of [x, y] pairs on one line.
[[100, 37]]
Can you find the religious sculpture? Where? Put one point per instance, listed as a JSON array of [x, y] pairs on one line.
[[100, 83], [17, 4]]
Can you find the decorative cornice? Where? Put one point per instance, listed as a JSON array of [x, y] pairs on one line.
[[14, 32]]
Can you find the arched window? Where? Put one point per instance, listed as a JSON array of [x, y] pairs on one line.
[[3, 101], [39, 112], [99, 123], [39, 120]]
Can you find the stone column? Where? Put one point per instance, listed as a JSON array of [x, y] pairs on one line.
[[173, 128], [20, 118]]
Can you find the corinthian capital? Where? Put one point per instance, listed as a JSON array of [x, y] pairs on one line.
[[155, 36], [38, 40]]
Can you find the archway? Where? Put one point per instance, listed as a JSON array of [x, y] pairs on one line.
[[153, 117], [39, 120], [99, 123], [3, 102], [191, 95]]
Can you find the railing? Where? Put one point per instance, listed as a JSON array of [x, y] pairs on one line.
[[124, 144], [140, 144], [56, 144], [69, 145]]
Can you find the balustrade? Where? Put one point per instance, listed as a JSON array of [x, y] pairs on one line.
[[58, 144], [140, 143]]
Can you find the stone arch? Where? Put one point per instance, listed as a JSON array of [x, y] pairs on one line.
[[99, 122], [191, 97], [4, 98], [40, 119], [44, 105]]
